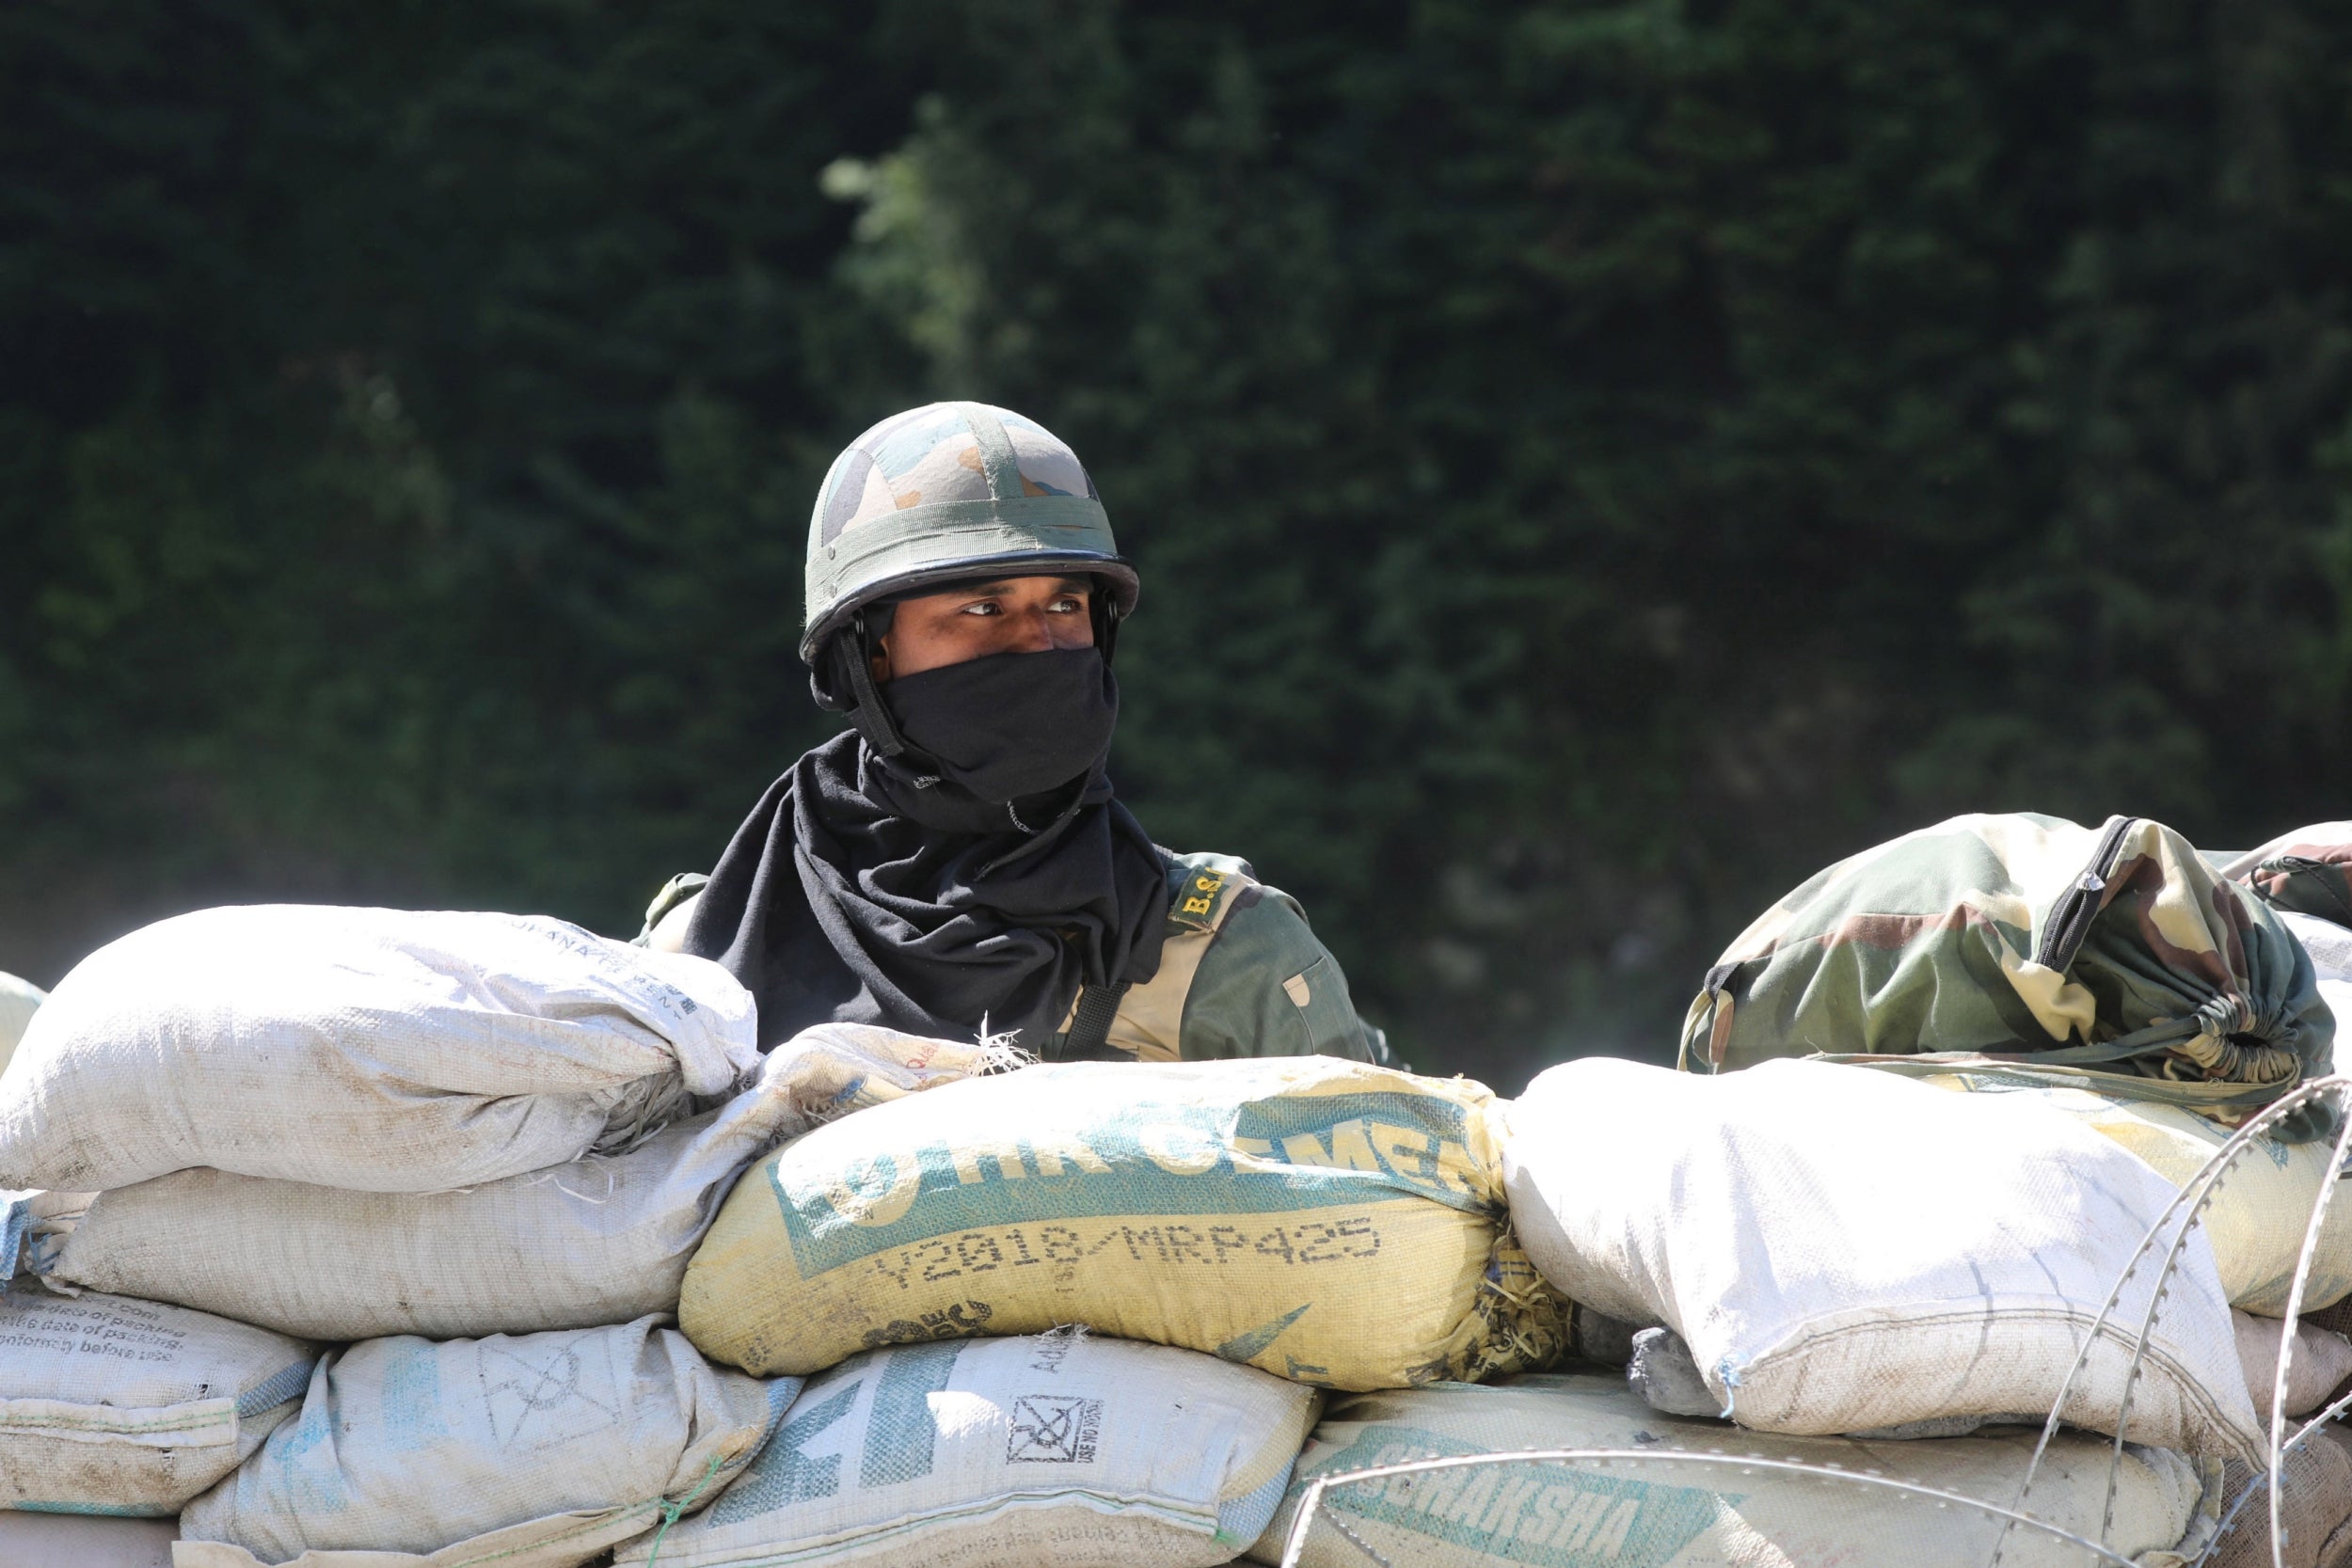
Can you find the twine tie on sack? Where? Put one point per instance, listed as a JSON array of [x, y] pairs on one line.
[[670, 1511]]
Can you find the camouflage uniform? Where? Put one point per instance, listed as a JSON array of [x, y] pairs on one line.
[[952, 491], [1241, 974], [2116, 954]]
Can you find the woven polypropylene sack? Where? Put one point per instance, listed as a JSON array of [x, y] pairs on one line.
[[19, 999], [2314, 1515], [1660, 1510], [1326, 1221], [540, 1449], [1845, 1250], [2257, 1217], [378, 1050], [602, 1240], [115, 1406], [84, 1541], [1059, 1452]]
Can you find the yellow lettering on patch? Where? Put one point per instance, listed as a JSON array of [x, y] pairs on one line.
[[1198, 906]]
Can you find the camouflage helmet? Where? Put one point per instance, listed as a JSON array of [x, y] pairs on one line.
[[942, 493]]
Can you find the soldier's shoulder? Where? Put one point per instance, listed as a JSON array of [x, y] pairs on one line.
[[1204, 889]]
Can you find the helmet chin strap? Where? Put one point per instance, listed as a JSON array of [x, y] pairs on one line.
[[1106, 618], [867, 711]]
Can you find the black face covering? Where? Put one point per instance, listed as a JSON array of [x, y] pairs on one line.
[[1012, 724], [985, 873]]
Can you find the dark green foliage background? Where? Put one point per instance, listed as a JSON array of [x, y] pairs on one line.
[[1593, 461]]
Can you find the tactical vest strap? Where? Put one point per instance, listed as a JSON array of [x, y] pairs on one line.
[[1090, 1026]]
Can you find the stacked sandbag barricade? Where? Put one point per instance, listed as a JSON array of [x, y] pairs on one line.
[[357, 1236], [1182, 1258], [547, 1266], [2044, 1307], [357, 1231]]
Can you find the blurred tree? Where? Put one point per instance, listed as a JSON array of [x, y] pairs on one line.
[[1591, 462]]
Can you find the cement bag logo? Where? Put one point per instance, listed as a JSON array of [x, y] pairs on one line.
[[897, 1443], [1271, 1156], [1543, 1515], [1053, 1429]]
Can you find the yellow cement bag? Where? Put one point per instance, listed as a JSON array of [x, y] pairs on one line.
[[2255, 1220], [1330, 1222]]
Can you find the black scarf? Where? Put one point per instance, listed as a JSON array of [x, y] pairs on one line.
[[894, 890]]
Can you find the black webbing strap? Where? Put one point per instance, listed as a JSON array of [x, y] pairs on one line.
[[1090, 1026]]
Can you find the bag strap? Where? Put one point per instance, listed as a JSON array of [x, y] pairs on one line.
[[1090, 1026]]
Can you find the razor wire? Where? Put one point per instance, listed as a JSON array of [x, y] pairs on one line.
[[1311, 1502], [2188, 1206], [2168, 1233]]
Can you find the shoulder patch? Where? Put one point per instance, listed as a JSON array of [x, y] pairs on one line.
[[1203, 889]]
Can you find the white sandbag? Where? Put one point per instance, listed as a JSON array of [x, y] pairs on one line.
[[2330, 947], [603, 1239], [379, 1050], [1845, 1250], [536, 1452], [1061, 1451], [1659, 1509], [2255, 1216], [19, 999], [129, 1407], [81, 1540]]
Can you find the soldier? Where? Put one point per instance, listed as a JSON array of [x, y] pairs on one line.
[[955, 862]]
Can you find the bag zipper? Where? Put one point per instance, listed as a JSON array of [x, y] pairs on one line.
[[2071, 917]]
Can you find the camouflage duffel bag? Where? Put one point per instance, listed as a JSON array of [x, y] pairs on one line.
[[2114, 958]]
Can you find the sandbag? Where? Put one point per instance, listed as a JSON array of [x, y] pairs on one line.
[[2331, 949], [1845, 1250], [84, 1541], [2257, 1216], [539, 1451], [2116, 953], [378, 1050], [2315, 1514], [129, 1407], [19, 999], [2318, 1364], [1326, 1221], [1064, 1451], [2308, 871], [602, 1240], [1660, 1511]]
